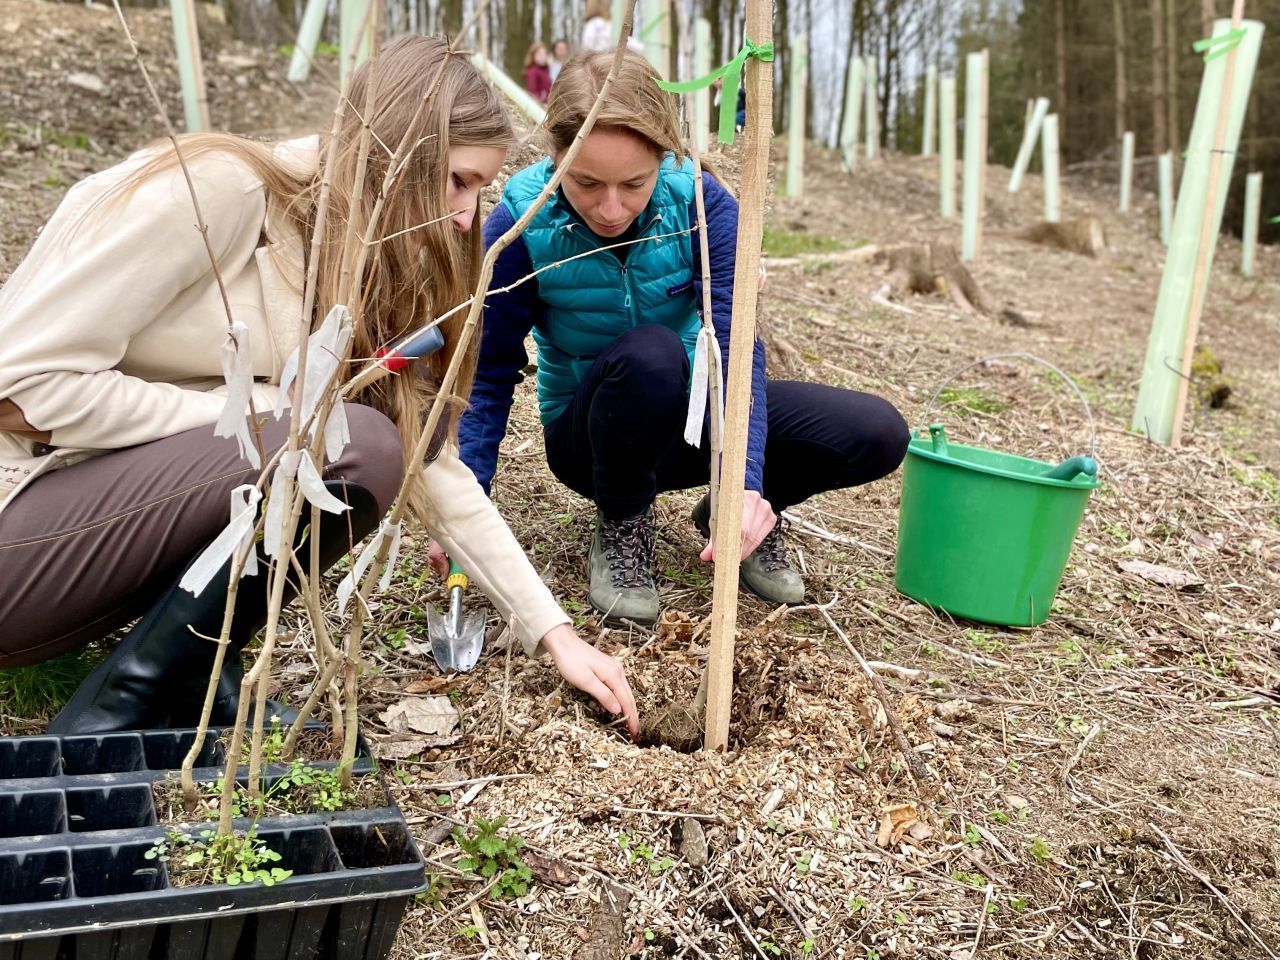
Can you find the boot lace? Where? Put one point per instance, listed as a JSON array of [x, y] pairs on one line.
[[773, 550], [630, 548]]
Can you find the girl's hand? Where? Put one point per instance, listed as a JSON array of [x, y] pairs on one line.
[[438, 559], [592, 672], [758, 519]]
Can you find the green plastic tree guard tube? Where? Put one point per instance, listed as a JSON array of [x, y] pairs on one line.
[[1049, 143], [796, 116], [1030, 135], [195, 103], [517, 94], [947, 144], [1126, 170], [349, 15], [308, 36], [702, 98], [873, 111], [1154, 414], [1252, 209], [973, 158], [1166, 195], [657, 36], [852, 112], [930, 110]]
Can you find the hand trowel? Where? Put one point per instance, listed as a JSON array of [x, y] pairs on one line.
[[456, 638]]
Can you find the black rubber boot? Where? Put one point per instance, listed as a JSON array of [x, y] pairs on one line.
[[159, 671]]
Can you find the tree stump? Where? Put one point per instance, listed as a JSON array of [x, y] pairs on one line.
[[1084, 236], [933, 268]]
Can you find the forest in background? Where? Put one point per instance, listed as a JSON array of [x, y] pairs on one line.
[[1106, 65]]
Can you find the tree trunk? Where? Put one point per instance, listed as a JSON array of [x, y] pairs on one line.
[[1060, 56], [450, 12], [782, 70], [1122, 50], [1171, 45], [1207, 15], [1159, 103]]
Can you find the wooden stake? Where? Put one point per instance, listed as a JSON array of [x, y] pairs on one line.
[[796, 118], [746, 281]]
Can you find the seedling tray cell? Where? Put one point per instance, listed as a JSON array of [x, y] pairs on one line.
[[77, 818]]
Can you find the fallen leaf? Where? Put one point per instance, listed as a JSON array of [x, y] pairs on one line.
[[427, 685], [436, 717], [950, 711], [895, 821], [397, 748], [1165, 576], [548, 869], [920, 831]]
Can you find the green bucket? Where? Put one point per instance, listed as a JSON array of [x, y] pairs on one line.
[[985, 535]]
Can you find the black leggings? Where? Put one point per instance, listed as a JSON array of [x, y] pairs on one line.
[[620, 443]]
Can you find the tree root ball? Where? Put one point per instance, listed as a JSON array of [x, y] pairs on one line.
[[676, 726]]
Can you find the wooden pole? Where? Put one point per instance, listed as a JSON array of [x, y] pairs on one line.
[[1252, 212], [701, 98], [873, 110], [1030, 134], [186, 38], [304, 49], [796, 118], [1206, 177], [754, 186], [852, 113], [947, 144], [1166, 195], [1049, 143], [930, 110], [1126, 170], [975, 160]]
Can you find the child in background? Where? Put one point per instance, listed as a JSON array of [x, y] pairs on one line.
[[559, 54], [537, 75]]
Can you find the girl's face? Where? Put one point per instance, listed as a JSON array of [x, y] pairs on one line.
[[540, 56], [611, 180], [561, 50], [471, 169]]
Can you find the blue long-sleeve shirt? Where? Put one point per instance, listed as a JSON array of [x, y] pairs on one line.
[[510, 316]]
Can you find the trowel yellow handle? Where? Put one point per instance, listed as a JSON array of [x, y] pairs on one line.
[[456, 577]]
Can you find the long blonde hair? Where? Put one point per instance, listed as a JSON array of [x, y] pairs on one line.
[[635, 104], [419, 271]]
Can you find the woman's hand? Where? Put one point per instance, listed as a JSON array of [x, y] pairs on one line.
[[592, 672], [758, 519], [438, 559]]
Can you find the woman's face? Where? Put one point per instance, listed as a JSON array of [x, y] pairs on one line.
[[471, 169], [611, 180], [561, 50]]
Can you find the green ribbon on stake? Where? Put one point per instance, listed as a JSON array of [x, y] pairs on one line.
[[1219, 46], [732, 74]]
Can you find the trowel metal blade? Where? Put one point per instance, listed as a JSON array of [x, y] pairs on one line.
[[460, 651]]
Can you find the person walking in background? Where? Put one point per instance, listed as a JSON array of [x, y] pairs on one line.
[[597, 29], [559, 54], [537, 74]]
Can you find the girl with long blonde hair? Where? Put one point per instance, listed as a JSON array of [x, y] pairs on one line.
[[616, 326], [111, 332]]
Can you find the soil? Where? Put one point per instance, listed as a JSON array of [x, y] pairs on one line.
[[1104, 785], [368, 792]]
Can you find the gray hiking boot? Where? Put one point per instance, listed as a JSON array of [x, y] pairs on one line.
[[767, 572], [621, 562]]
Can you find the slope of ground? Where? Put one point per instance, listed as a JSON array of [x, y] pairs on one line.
[[1102, 786]]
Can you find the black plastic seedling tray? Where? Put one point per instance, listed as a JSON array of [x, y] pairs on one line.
[[77, 816]]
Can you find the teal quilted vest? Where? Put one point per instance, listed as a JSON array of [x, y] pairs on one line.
[[593, 300]]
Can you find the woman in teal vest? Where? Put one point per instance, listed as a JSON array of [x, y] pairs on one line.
[[616, 328]]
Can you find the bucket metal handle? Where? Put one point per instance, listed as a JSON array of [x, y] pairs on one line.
[[1093, 428]]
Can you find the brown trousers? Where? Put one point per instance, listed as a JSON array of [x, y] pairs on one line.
[[87, 549]]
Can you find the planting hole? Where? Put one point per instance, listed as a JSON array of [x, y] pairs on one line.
[[110, 808], [31, 814], [36, 877]]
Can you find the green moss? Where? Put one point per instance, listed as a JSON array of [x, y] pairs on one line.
[[972, 398], [792, 243]]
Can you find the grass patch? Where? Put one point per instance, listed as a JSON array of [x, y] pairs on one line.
[[973, 399], [39, 691], [793, 243]]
